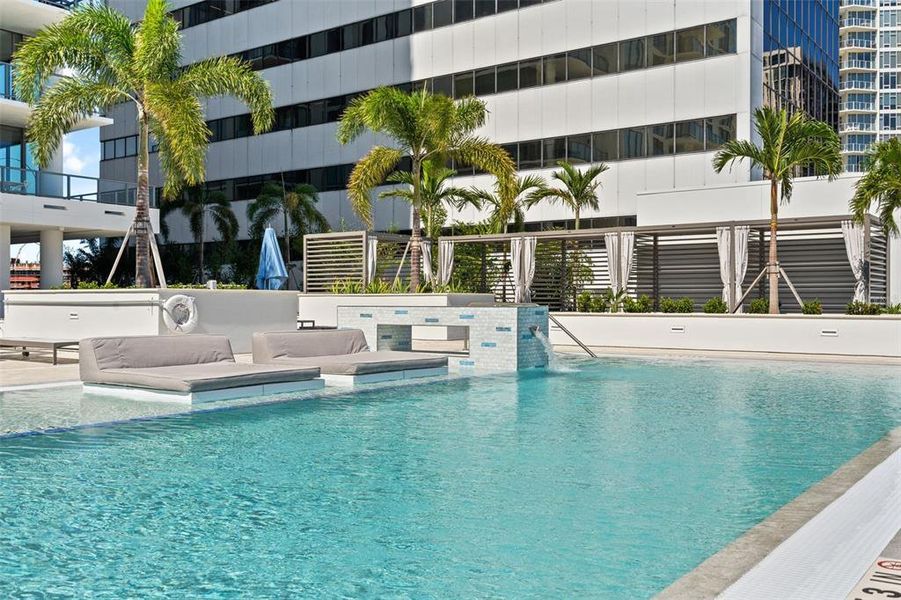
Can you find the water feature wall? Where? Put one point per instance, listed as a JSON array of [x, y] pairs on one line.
[[500, 336]]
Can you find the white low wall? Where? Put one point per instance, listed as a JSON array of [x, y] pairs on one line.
[[323, 308], [836, 335], [78, 314]]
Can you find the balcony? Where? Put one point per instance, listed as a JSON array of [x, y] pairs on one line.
[[846, 127], [857, 106], [856, 43], [851, 4], [858, 24], [856, 84], [66, 4], [6, 81], [852, 65], [855, 148], [47, 184]]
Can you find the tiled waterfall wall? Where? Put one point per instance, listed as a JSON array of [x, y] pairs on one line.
[[500, 337]]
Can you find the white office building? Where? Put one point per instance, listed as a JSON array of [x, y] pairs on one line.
[[47, 206], [651, 87]]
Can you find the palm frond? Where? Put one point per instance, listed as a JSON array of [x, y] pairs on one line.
[[369, 172], [229, 76], [157, 43]]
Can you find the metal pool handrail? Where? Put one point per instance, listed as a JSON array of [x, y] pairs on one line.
[[570, 334]]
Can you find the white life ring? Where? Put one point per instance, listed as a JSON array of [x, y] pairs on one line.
[[180, 313]]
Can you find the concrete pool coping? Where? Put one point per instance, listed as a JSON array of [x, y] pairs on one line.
[[721, 570]]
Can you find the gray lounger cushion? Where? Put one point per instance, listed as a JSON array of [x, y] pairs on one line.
[[336, 352], [365, 363], [184, 363]]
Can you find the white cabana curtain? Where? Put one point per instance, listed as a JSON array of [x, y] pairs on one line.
[[425, 247], [528, 267], [516, 267], [620, 248], [372, 258], [724, 248], [445, 261], [854, 247]]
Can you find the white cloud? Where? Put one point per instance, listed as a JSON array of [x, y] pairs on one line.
[[73, 162]]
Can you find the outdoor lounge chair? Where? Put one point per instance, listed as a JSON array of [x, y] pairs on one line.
[[182, 368], [343, 356]]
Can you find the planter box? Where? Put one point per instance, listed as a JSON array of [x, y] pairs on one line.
[[78, 314], [323, 308], [877, 336]]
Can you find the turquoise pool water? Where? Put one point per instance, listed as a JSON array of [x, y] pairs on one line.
[[610, 482]]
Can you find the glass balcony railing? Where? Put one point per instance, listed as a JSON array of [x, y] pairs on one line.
[[858, 105], [855, 147], [6, 81], [857, 126], [853, 3], [30, 182], [858, 22], [857, 84], [858, 64], [67, 4], [856, 42]]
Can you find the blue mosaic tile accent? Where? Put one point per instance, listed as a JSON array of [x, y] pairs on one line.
[[388, 337], [365, 315], [526, 336], [467, 363], [467, 317], [503, 329], [431, 319], [541, 311], [489, 345], [402, 312]]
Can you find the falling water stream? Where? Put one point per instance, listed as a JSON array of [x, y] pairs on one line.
[[553, 363]]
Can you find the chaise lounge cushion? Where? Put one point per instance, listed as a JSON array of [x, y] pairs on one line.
[[183, 363], [366, 363], [336, 352]]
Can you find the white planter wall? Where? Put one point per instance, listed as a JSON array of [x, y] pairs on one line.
[[77, 314], [323, 308], [838, 335]]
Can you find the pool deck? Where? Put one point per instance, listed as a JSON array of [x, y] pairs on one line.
[[746, 557]]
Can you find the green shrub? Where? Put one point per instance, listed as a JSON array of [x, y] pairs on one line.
[[716, 305], [812, 307], [583, 302], [676, 305], [894, 309], [599, 304], [198, 286], [759, 306], [864, 308], [642, 304], [93, 285]]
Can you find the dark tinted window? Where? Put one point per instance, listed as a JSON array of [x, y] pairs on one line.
[[525, 3], [463, 84], [530, 155], [484, 81], [131, 145], [690, 44], [529, 73], [422, 17], [719, 131], [507, 77], [554, 151], [721, 38], [505, 5], [317, 112], [444, 85], [333, 40], [660, 49], [632, 143], [351, 36], [554, 69], [513, 151], [689, 136], [605, 59], [109, 150], [484, 8], [606, 145], [578, 149], [660, 141], [120, 147], [463, 10], [578, 64], [632, 54], [404, 23], [318, 44], [443, 13]]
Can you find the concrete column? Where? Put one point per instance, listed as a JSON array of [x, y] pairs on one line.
[[4, 261], [51, 258]]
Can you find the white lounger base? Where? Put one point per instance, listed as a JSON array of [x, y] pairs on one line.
[[137, 393], [350, 380]]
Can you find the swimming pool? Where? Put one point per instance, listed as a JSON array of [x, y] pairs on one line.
[[610, 481]]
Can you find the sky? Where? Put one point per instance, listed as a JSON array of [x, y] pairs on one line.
[[81, 156]]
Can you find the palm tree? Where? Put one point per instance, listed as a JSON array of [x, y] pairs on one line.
[[113, 61], [297, 209], [434, 195], [579, 189], [881, 185], [789, 143], [92, 260], [424, 127], [506, 201], [197, 204]]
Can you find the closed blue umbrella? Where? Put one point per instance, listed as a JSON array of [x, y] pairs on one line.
[[272, 274]]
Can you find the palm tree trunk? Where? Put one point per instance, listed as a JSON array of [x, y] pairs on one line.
[[142, 227], [415, 236], [773, 275], [287, 237], [577, 219]]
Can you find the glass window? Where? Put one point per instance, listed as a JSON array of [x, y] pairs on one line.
[[484, 8], [660, 142], [351, 36], [422, 17], [505, 5], [605, 59], [690, 136], [690, 44], [284, 118], [303, 115], [442, 13], [719, 131], [529, 73], [513, 151], [333, 109], [317, 44], [227, 128], [404, 23], [131, 145], [463, 84], [578, 64], [120, 147], [484, 83], [109, 150], [632, 53], [578, 149], [443, 85], [660, 50], [605, 146], [507, 77], [554, 151], [333, 40], [721, 38], [385, 27], [462, 10], [243, 126], [632, 143], [530, 155], [525, 3], [317, 112], [554, 69]]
